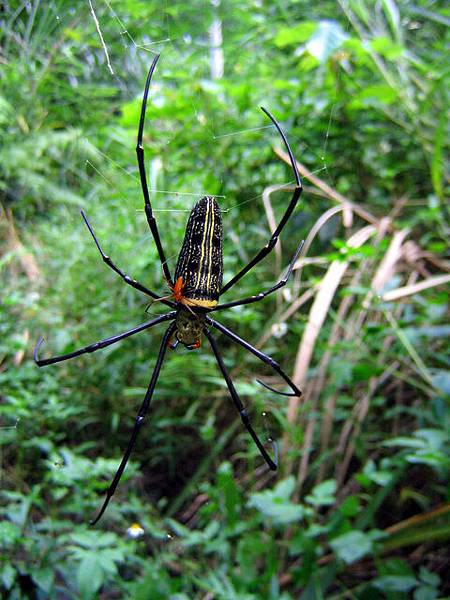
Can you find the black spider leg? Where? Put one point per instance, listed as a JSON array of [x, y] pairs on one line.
[[262, 295], [238, 404], [141, 162], [263, 357], [292, 204], [138, 423], [101, 344], [114, 267]]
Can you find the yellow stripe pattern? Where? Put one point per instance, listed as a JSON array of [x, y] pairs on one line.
[[200, 263]]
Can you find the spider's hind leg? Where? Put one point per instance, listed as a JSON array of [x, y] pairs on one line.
[[262, 357], [272, 464]]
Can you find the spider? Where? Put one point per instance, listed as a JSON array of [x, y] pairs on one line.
[[195, 292]]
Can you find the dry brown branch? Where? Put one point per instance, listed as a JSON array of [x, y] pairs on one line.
[[19, 355], [317, 315], [298, 265], [330, 404], [15, 246], [330, 192], [386, 268], [409, 290], [352, 427], [355, 324]]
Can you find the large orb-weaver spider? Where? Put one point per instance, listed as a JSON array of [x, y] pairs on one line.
[[195, 293]]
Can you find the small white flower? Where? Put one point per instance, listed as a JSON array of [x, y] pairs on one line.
[[279, 330], [135, 531]]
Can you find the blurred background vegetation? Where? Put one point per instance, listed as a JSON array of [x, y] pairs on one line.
[[359, 508]]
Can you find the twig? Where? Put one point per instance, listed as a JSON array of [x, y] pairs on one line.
[[409, 290], [105, 49], [330, 192]]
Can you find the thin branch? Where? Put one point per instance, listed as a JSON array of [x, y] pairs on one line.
[[105, 49]]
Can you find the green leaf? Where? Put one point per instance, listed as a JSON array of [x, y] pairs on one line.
[[323, 494], [275, 503], [395, 583], [437, 162], [426, 592], [92, 539], [350, 507], [10, 533], [393, 16], [8, 576], [428, 577], [285, 488], [295, 35], [373, 95], [89, 575], [44, 578], [352, 546], [387, 48]]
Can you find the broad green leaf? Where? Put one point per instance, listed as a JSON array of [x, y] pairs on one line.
[[428, 577], [10, 533], [8, 575], [44, 578], [295, 35], [352, 546], [387, 48], [373, 95], [426, 592], [395, 583], [90, 575], [276, 505], [323, 494]]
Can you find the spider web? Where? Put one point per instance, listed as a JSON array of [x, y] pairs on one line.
[[213, 124], [214, 49]]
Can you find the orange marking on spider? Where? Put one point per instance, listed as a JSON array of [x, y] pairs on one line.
[[177, 289]]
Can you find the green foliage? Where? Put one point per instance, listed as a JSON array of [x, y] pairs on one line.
[[361, 90]]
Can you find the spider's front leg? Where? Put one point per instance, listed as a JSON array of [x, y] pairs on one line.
[[143, 176], [130, 281], [43, 362], [289, 210]]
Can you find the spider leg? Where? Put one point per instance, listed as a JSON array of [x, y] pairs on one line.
[[114, 267], [262, 295], [141, 162], [292, 204], [263, 357], [138, 422], [98, 345], [273, 465]]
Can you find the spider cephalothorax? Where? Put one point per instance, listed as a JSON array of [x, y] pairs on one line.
[[196, 291]]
